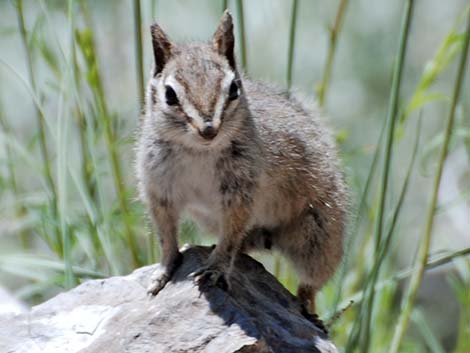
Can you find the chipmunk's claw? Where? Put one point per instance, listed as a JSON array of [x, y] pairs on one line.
[[314, 319], [207, 277]]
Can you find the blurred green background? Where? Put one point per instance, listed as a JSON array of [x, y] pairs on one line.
[[71, 80]]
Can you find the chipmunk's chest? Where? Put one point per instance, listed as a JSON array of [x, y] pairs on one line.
[[191, 182], [198, 182]]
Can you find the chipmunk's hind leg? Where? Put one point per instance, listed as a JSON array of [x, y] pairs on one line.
[[306, 294], [312, 246]]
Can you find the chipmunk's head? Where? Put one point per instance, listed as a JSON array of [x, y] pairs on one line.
[[195, 90]]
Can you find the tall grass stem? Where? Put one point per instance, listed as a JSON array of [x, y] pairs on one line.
[[153, 9], [425, 242], [356, 224], [290, 57], [41, 129], [139, 59], [387, 159], [110, 140], [9, 155], [241, 31], [19, 209], [333, 42]]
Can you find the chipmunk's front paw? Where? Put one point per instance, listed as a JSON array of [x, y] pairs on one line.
[[162, 275], [209, 276], [158, 280]]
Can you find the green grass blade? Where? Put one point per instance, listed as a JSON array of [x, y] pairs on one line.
[[445, 55], [290, 54], [429, 337], [361, 208], [153, 9], [334, 32], [409, 299], [40, 119], [62, 194], [433, 262], [41, 263], [86, 43], [9, 153], [371, 281], [461, 286], [62, 148], [241, 32], [385, 246], [139, 57], [20, 210], [391, 119], [361, 332]]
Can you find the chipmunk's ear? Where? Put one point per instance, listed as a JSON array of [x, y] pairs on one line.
[[161, 48], [224, 40]]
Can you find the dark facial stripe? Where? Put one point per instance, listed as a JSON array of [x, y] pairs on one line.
[[153, 95], [215, 96], [177, 123]]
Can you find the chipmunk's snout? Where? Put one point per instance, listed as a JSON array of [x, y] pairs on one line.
[[208, 132]]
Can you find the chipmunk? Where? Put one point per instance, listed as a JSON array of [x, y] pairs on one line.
[[248, 162]]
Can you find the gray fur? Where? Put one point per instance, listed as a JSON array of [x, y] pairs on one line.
[[269, 179]]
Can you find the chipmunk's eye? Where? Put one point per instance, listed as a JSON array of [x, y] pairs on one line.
[[170, 95], [233, 91]]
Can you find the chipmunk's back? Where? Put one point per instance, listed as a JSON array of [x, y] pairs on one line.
[[296, 141], [278, 110]]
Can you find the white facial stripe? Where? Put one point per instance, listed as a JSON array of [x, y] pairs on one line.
[[219, 106], [192, 112], [161, 91], [186, 106]]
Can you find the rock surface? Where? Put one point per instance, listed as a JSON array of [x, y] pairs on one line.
[[9, 304], [116, 315]]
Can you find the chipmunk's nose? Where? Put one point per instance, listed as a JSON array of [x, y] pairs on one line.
[[209, 132]]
